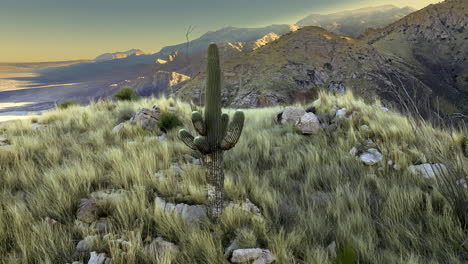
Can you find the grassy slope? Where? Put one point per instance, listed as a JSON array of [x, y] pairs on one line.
[[388, 216]]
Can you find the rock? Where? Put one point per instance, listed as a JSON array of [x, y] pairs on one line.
[[87, 244], [100, 258], [463, 182], [371, 156], [50, 221], [147, 118], [4, 141], [247, 205], [370, 144], [292, 115], [396, 167], [163, 137], [341, 113], [109, 196], [308, 124], [232, 246], [336, 87], [190, 214], [364, 128], [87, 211], [383, 108], [118, 128], [257, 255], [159, 245], [331, 249], [102, 225], [427, 170], [390, 162], [37, 126]]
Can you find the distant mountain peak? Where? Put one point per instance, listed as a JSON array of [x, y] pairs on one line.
[[119, 55]]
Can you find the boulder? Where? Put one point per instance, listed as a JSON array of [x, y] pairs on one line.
[[257, 255], [427, 170], [100, 258], [87, 244], [371, 156], [308, 124], [291, 115], [147, 118], [159, 245], [341, 113], [190, 214]]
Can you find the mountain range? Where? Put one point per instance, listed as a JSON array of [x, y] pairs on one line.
[[354, 22], [416, 61]]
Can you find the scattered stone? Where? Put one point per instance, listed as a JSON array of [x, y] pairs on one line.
[[37, 126], [100, 258], [118, 127], [331, 249], [190, 214], [257, 255], [247, 205], [364, 128], [50, 221], [370, 143], [396, 167], [463, 182], [291, 115], [390, 162], [159, 245], [383, 108], [4, 141], [102, 225], [308, 124], [163, 137], [371, 156], [427, 170], [232, 246], [87, 244], [341, 113], [336, 87]]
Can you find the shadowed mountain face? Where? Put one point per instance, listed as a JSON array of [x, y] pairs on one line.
[[355, 22], [432, 44]]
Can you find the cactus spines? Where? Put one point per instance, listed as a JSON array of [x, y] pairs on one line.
[[216, 134]]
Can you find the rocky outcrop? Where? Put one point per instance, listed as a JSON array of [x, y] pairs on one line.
[[147, 118], [165, 79]]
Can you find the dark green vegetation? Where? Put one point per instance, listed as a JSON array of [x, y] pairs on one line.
[[169, 121], [126, 94], [216, 135], [66, 104]]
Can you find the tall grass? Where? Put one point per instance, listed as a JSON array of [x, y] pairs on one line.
[[310, 190]]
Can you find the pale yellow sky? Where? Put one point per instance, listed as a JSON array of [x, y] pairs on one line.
[[56, 30]]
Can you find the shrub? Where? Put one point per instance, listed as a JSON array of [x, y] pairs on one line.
[[125, 114], [126, 94], [66, 104], [169, 121]]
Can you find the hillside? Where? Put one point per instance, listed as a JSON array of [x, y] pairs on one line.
[[295, 67], [355, 22], [432, 43], [70, 185]]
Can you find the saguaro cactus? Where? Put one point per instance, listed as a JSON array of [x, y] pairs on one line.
[[216, 134]]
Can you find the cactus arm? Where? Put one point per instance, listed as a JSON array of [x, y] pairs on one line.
[[187, 138], [234, 131], [202, 144], [224, 124], [198, 123]]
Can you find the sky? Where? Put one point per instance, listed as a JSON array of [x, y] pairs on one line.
[[57, 30]]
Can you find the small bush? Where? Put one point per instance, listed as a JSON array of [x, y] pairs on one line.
[[66, 104], [169, 121], [126, 94]]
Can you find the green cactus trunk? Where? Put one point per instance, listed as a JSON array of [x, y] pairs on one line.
[[215, 179], [216, 135]]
